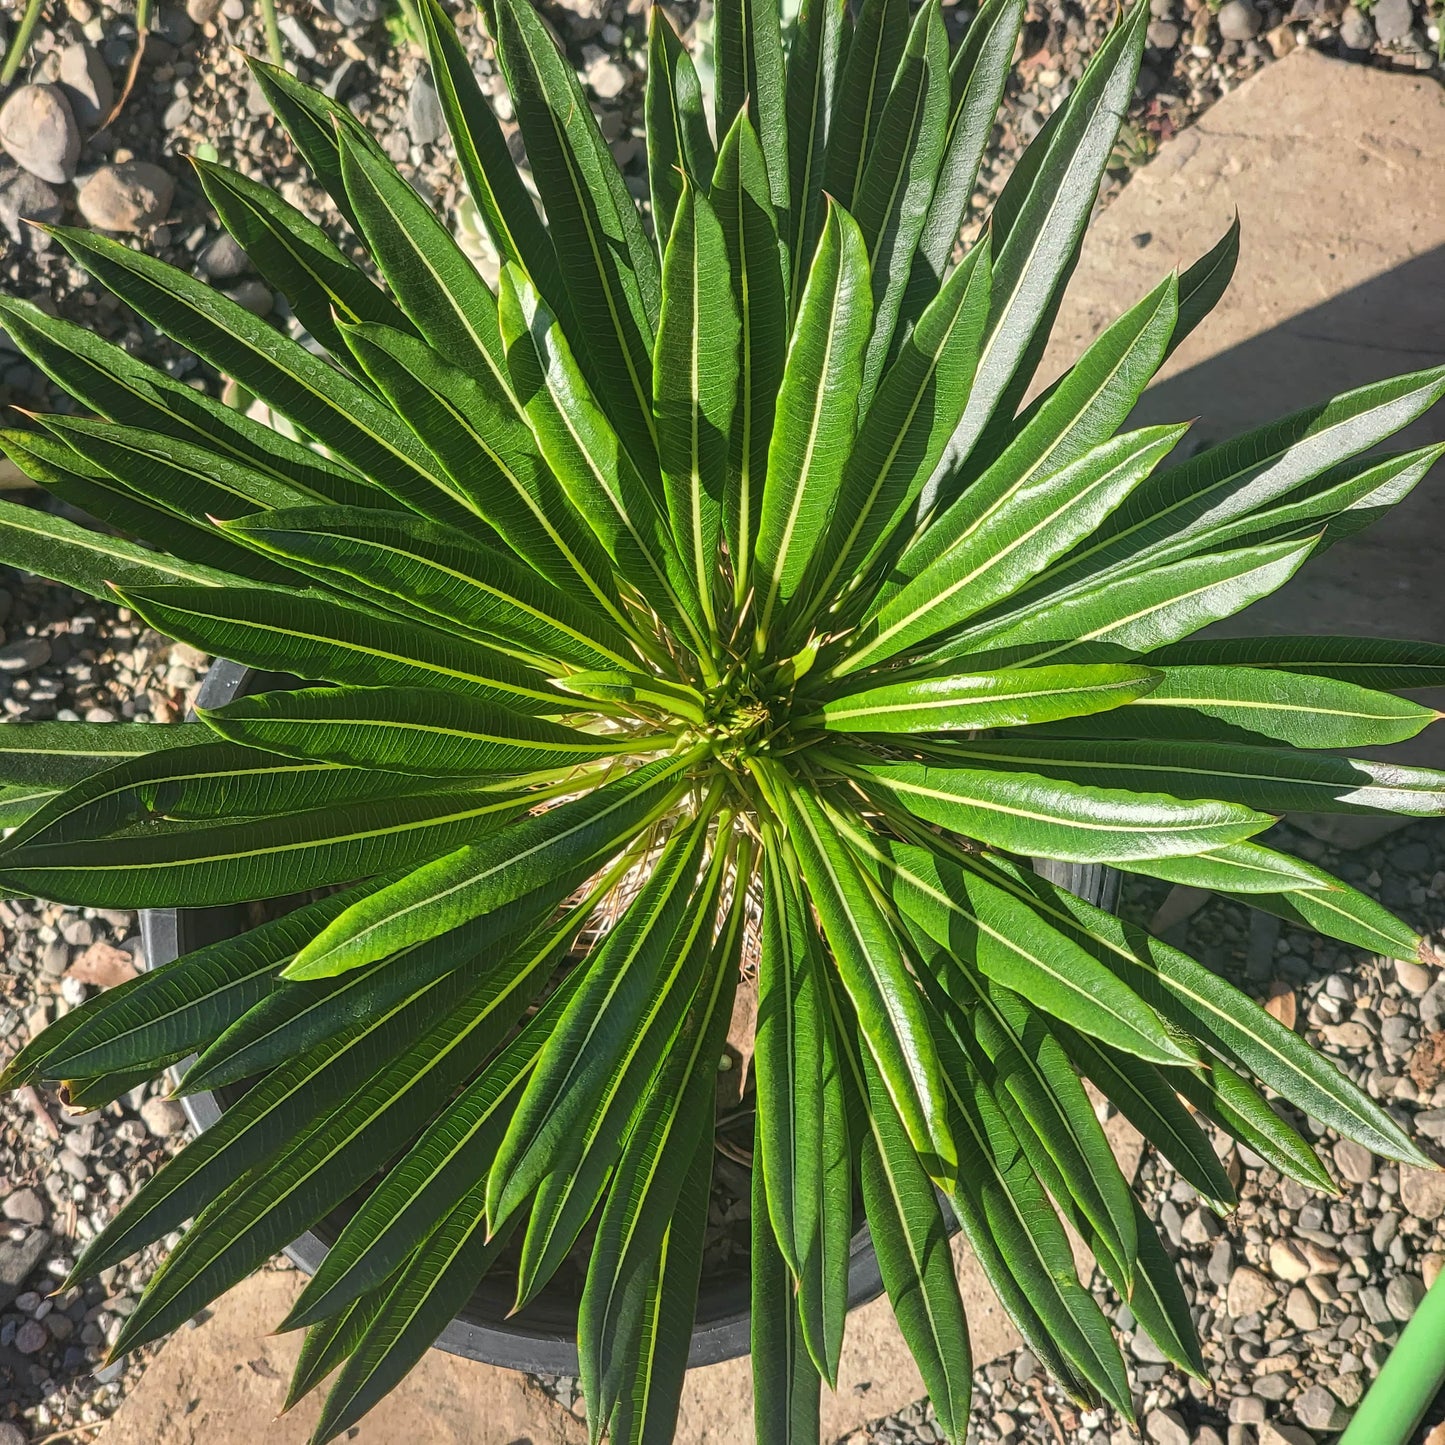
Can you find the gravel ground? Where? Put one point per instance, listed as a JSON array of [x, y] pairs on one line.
[[1305, 1343]]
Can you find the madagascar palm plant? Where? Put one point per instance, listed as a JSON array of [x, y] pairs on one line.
[[719, 582]]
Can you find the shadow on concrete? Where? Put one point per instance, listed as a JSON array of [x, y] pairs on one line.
[[1390, 580]]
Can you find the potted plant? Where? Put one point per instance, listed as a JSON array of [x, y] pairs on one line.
[[719, 583]]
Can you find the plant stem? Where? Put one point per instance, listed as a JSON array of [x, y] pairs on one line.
[[1410, 1380], [15, 56], [273, 32]]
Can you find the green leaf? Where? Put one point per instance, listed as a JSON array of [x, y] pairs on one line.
[[981, 928], [433, 280], [977, 77], [1339, 911], [434, 1284], [589, 458], [750, 79], [1021, 1245], [295, 1016], [875, 973], [1238, 1108], [39, 542], [1039, 219], [1146, 1098], [786, 1383], [802, 1114], [307, 634], [323, 401], [330, 1342], [816, 416], [675, 1122], [1272, 779], [289, 1105], [492, 179], [455, 1150], [1006, 547], [567, 1132], [1238, 868], [1247, 705], [394, 728], [986, 699], [434, 575], [897, 184], [1142, 612], [877, 45], [1053, 1108], [914, 1258], [815, 66], [171, 1009], [1203, 1004], [744, 209], [904, 431], [104, 378], [319, 1170], [1081, 414], [608, 266], [486, 874], [1025, 813], [58, 754], [315, 123], [213, 856], [1183, 507], [1368, 661], [679, 148], [1203, 284], [296, 256], [647, 1410], [694, 382]]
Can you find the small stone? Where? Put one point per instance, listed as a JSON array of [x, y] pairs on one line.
[[24, 1206], [24, 197], [1221, 1264], [31, 1337], [1393, 19], [1163, 34], [85, 79], [38, 129], [1414, 978], [202, 12], [1301, 1310], [1422, 1191], [1403, 1295], [1165, 1427], [424, 113], [17, 1261], [1352, 1036], [1246, 1410], [1372, 1301], [162, 1117], [1317, 1409], [607, 78], [129, 196], [298, 36], [1271, 1434], [25, 654], [11, 1434], [224, 259], [254, 296], [1200, 1228], [1238, 20], [1354, 1161], [1287, 1261], [1249, 1292]]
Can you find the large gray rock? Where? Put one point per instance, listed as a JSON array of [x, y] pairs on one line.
[[126, 197], [86, 81], [25, 197], [37, 128], [18, 1260]]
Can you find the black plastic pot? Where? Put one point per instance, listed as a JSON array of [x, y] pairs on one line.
[[541, 1339]]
